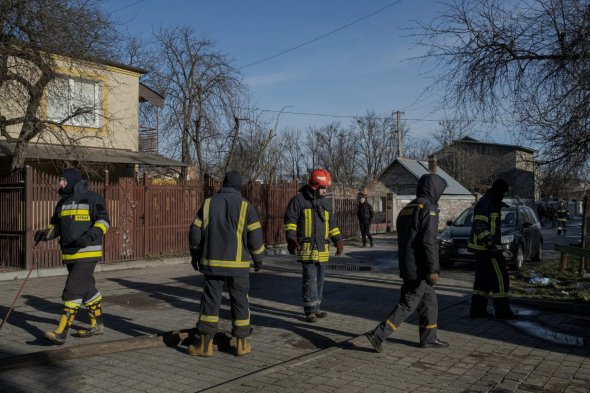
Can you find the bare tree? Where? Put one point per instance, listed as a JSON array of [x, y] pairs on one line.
[[451, 131], [34, 33], [294, 159], [202, 90], [377, 143], [525, 60], [419, 148], [337, 152]]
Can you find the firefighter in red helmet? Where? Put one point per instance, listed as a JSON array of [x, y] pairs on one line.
[[309, 226]]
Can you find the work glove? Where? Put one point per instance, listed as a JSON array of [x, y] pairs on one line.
[[257, 262], [432, 279], [195, 264], [195, 257], [293, 245], [339, 248], [40, 236], [84, 241]]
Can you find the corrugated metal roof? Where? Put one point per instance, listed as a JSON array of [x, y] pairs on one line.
[[37, 151], [419, 168]]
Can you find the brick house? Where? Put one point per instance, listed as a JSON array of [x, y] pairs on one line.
[[399, 180], [476, 164]]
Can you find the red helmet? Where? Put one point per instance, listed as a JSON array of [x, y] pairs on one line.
[[319, 178]]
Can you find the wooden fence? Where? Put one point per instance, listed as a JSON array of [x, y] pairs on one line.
[[147, 221]]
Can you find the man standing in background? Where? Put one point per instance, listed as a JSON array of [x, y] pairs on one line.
[[364, 212]]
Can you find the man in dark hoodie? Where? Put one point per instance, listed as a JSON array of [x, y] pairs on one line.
[[417, 228], [491, 276], [224, 234], [80, 221]]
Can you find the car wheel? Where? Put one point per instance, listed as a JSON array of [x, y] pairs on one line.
[[539, 255], [519, 258]]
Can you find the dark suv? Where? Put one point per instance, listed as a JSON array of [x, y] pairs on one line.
[[521, 237]]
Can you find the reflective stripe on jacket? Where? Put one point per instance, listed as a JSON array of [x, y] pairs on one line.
[[486, 231], [562, 214], [83, 212], [225, 233], [312, 223]]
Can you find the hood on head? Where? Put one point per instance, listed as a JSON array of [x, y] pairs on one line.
[[73, 177], [431, 186], [233, 179]]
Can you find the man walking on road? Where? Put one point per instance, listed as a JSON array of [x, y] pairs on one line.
[[225, 231], [309, 226], [364, 212], [562, 216], [417, 228], [491, 275], [80, 221]]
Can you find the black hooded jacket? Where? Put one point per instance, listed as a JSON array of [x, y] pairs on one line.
[[417, 228]]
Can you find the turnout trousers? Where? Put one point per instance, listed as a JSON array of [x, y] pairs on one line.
[[237, 287], [416, 295], [491, 281], [313, 285], [80, 285]]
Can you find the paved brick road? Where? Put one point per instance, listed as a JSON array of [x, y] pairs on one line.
[[289, 354]]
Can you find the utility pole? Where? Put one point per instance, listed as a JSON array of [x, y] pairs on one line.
[[400, 144]]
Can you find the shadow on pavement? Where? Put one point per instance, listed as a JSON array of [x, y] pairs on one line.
[[358, 298], [112, 321]]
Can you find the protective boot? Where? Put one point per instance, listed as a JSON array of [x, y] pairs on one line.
[[479, 306], [502, 309], [321, 314], [66, 319], [96, 324], [375, 341], [371, 243], [243, 346], [202, 346], [310, 317]]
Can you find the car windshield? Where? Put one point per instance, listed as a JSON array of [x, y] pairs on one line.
[[509, 218], [465, 219]]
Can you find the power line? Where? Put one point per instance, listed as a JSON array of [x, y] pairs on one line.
[[322, 36], [415, 120], [127, 6]]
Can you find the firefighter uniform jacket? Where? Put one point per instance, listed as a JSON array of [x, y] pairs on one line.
[[417, 228], [311, 222], [486, 231], [562, 214], [225, 233], [364, 212], [82, 212]]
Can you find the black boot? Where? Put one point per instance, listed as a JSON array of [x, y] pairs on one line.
[[502, 309], [479, 306], [435, 344], [375, 341]]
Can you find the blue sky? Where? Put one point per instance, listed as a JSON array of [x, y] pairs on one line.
[[363, 67]]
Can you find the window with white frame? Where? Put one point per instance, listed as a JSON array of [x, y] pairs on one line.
[[67, 96]]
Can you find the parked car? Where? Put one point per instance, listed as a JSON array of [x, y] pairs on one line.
[[521, 237]]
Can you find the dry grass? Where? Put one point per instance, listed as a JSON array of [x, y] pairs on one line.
[[569, 285]]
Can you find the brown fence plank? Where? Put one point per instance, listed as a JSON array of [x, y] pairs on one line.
[[146, 220]]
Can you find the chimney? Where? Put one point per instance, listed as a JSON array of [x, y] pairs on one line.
[[432, 163]]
